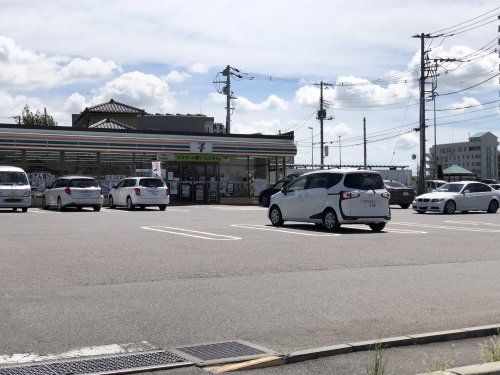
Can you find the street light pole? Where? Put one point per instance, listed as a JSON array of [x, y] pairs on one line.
[[312, 145], [340, 154]]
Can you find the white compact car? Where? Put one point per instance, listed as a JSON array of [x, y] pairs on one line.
[[141, 192], [15, 190], [333, 197], [459, 196], [73, 191]]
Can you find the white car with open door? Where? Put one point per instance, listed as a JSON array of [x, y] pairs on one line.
[[73, 191], [15, 190], [459, 196], [141, 192], [331, 198]]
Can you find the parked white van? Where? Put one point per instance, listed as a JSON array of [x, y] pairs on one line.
[[15, 190], [333, 197]]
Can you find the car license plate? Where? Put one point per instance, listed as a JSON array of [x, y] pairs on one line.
[[370, 204], [12, 196], [86, 194], [405, 193]]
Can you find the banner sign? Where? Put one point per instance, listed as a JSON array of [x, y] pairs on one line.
[[205, 158], [156, 169], [200, 146]]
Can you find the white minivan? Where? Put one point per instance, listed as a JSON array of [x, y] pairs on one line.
[[15, 190], [330, 198]]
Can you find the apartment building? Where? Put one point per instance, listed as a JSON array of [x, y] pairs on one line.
[[478, 155]]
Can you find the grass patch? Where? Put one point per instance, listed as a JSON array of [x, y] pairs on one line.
[[490, 349], [438, 364], [377, 364]]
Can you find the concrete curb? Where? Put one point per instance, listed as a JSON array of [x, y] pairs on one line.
[[269, 361], [492, 368], [390, 342]]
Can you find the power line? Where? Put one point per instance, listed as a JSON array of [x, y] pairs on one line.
[[469, 106], [467, 21], [470, 87]]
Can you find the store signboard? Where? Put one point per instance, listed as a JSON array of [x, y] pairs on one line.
[[200, 146], [156, 169], [203, 158]]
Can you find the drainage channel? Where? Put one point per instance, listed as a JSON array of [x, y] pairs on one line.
[[113, 364], [127, 363]]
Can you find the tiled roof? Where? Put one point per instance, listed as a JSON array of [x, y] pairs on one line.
[[111, 124], [457, 171], [114, 107]]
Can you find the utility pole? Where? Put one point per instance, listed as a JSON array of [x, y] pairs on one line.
[[340, 153], [227, 92], [322, 116], [421, 179], [312, 145], [364, 142]]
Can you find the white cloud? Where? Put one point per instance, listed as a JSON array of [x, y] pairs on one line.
[[176, 77], [138, 89], [465, 102], [215, 97], [12, 105], [408, 142], [273, 102], [75, 103], [340, 129], [259, 126], [22, 68], [198, 68]]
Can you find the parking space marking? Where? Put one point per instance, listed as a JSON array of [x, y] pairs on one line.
[[192, 233], [404, 231], [432, 226], [265, 227], [177, 209], [471, 223], [230, 208]]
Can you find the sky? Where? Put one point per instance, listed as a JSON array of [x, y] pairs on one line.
[[163, 56]]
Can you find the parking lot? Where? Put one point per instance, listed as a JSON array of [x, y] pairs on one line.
[[197, 274]]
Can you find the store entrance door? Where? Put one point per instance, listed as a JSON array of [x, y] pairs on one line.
[[199, 183]]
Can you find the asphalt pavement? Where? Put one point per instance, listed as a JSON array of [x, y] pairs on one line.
[[196, 274]]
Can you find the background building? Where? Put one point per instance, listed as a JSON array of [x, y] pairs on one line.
[[478, 155]]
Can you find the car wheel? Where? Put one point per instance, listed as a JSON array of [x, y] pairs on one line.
[[493, 207], [44, 203], [24, 209], [59, 204], [130, 205], [377, 227], [330, 221], [162, 207], [97, 208], [404, 206], [275, 217], [265, 201], [449, 208], [111, 202]]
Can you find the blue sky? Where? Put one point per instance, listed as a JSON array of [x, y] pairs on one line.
[[163, 56]]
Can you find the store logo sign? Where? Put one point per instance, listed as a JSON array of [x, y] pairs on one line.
[[201, 147]]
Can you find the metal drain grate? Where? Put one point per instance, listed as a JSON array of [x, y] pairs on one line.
[[222, 352], [101, 365]]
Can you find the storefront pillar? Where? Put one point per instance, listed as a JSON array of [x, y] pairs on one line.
[[276, 169]]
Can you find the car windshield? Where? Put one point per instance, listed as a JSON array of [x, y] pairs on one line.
[[364, 181], [451, 188], [83, 183], [13, 178], [394, 184], [151, 182]]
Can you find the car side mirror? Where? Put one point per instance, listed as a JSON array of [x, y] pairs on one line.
[[113, 187], [283, 190], [466, 191]]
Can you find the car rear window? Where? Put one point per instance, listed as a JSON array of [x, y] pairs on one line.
[[151, 182], [364, 181], [83, 183]]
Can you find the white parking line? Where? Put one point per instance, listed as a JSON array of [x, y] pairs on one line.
[[188, 233], [265, 227], [405, 231], [229, 208], [448, 227], [177, 209], [471, 223]]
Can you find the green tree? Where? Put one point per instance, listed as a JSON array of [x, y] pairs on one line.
[[36, 119]]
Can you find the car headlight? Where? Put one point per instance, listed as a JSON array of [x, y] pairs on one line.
[[437, 200]]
